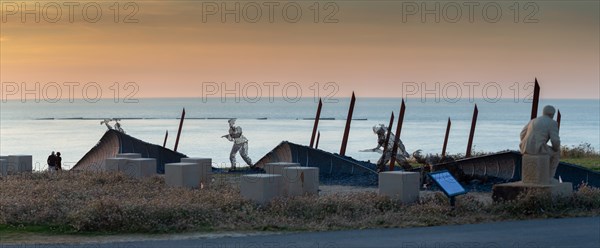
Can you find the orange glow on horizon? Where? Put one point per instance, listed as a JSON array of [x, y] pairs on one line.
[[171, 51]]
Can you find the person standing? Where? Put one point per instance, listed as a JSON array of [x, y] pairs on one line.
[[240, 143], [51, 162], [58, 162]]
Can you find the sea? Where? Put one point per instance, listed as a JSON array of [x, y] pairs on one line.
[[72, 126]]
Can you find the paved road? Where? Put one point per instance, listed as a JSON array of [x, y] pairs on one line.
[[572, 232]]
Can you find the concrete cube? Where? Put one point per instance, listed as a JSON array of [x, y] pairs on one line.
[[535, 169], [182, 175], [261, 188], [277, 167], [205, 169], [564, 189], [114, 164], [400, 185], [301, 181], [129, 155], [140, 167], [20, 163], [3, 167]]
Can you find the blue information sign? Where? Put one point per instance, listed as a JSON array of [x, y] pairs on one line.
[[448, 183]]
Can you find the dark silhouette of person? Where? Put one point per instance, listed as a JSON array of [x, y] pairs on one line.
[[51, 162], [58, 161]]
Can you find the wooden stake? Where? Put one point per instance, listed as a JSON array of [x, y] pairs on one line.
[[347, 129], [389, 132], [446, 138], [318, 137], [398, 130], [472, 132], [166, 136], [312, 137], [179, 131], [558, 119], [536, 100]]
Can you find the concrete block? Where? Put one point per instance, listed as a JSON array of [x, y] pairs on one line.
[[114, 164], [182, 175], [510, 191], [3, 167], [277, 167], [205, 169], [400, 185], [261, 188], [564, 189], [140, 167], [20, 163], [535, 169], [301, 181], [129, 155]]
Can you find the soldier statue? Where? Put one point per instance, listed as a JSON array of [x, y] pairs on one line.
[[240, 143]]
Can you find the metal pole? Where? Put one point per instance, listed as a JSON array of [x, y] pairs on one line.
[[389, 132], [347, 130], [398, 130], [318, 137], [558, 119], [312, 137], [446, 138], [166, 136], [472, 132], [179, 131], [536, 100]]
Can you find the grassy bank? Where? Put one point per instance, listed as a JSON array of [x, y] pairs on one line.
[[583, 154], [84, 203]]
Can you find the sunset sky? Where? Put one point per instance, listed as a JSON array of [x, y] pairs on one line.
[[175, 46]]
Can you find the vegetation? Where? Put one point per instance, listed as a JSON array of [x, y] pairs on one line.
[[86, 203], [583, 154]]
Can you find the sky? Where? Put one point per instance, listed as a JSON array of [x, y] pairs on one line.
[[374, 48]]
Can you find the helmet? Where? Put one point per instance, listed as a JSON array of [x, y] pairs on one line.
[[379, 128]]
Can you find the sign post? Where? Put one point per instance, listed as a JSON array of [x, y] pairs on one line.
[[449, 185]]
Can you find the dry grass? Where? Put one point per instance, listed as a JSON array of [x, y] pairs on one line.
[[580, 151], [113, 203]]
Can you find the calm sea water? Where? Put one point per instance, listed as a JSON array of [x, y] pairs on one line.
[[74, 127]]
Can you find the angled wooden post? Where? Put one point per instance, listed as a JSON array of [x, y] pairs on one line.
[[472, 132], [314, 131], [347, 129], [446, 138], [166, 136], [318, 137], [389, 132], [398, 130], [179, 131], [558, 119], [536, 100]]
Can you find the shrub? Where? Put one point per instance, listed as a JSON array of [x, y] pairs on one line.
[[579, 151]]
